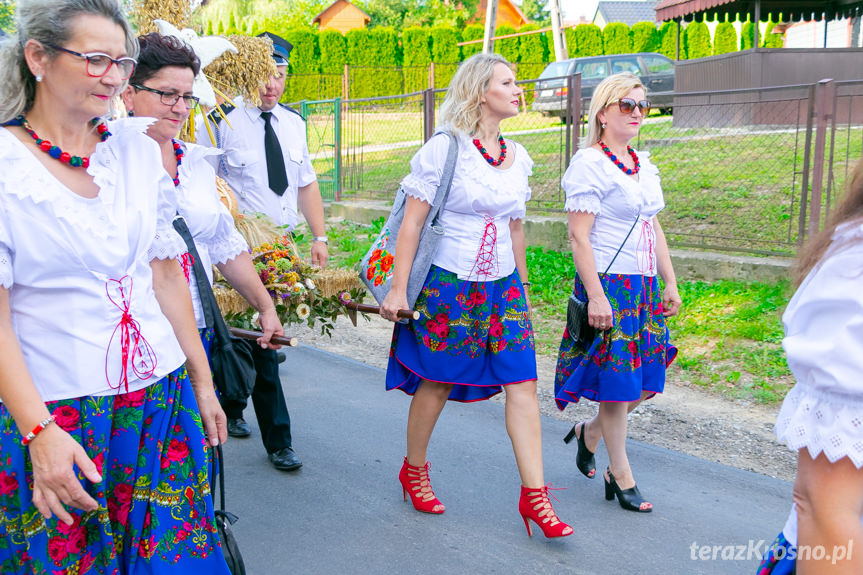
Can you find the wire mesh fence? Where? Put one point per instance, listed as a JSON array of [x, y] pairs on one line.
[[742, 170]]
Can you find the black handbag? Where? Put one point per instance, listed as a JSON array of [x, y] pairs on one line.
[[231, 357], [224, 519], [577, 324]]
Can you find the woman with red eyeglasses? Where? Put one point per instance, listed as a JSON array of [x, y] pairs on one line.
[[613, 196], [104, 382]]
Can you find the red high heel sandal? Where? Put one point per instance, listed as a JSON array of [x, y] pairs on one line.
[[415, 482], [534, 504]]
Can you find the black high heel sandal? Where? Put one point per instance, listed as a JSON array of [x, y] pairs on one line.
[[584, 458], [630, 499]]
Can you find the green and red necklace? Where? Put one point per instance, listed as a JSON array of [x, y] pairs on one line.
[[55, 151], [487, 156]]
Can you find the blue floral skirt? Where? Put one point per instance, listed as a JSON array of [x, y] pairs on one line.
[[476, 335], [779, 559], [155, 511], [207, 335], [621, 362]]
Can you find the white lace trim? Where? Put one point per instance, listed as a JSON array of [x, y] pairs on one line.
[[5, 268], [167, 243], [475, 168], [822, 422], [227, 248], [587, 201], [417, 188]]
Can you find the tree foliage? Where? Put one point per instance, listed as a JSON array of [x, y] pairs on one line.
[[7, 16], [772, 40], [724, 38], [697, 40], [615, 38], [333, 50], [444, 43], [506, 47], [645, 37], [472, 32], [747, 35], [304, 55], [588, 40], [416, 46], [668, 40], [532, 48]]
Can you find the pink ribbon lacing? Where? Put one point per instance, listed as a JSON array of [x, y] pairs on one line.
[[187, 260], [484, 265], [132, 343]]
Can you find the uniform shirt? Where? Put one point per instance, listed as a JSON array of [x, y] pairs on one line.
[[478, 210], [824, 346], [593, 184], [245, 161], [210, 223], [59, 255]]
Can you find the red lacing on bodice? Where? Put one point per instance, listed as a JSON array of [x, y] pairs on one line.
[[187, 260], [133, 345], [645, 251], [484, 265]]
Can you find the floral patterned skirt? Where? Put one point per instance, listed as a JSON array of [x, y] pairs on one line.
[[779, 559], [625, 360], [155, 513], [476, 335]]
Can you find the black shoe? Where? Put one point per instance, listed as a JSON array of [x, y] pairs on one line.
[[238, 428], [281, 357], [630, 499], [584, 458], [285, 459]]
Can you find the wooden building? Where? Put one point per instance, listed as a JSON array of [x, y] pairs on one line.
[[342, 16], [507, 13]]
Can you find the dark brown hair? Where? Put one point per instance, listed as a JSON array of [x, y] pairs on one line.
[[851, 208], [157, 52]]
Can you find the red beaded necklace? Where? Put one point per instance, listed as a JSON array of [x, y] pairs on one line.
[[54, 151], [619, 163], [178, 152], [486, 155]]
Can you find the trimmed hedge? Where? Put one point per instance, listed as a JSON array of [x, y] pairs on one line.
[[772, 40], [532, 49], [472, 32], [571, 42], [724, 39], [588, 40], [668, 41], [508, 47], [416, 46], [615, 38], [333, 49], [747, 32], [645, 37], [444, 42], [697, 40]]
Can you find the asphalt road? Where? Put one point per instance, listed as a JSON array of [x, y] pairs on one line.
[[343, 511]]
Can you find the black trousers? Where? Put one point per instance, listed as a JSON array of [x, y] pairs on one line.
[[269, 401]]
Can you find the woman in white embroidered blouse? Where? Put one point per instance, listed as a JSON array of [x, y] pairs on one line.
[[165, 73], [613, 197], [98, 417], [474, 337], [822, 415]]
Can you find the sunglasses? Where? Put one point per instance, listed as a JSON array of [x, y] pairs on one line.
[[170, 98], [98, 63], [627, 105]]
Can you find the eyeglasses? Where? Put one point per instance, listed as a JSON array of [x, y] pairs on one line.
[[627, 105], [170, 98], [98, 63]]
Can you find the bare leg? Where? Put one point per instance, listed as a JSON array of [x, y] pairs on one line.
[[593, 429], [426, 407], [612, 419], [523, 427]]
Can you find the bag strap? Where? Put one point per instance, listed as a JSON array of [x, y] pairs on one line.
[[446, 176], [212, 315], [623, 243], [218, 465]]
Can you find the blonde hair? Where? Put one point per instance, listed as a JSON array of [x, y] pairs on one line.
[[610, 90], [849, 209], [461, 109]]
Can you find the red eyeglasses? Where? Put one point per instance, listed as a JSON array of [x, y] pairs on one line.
[[98, 63]]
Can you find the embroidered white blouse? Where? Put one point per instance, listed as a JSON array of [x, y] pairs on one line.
[[480, 205], [593, 184], [823, 412], [73, 265], [209, 221]]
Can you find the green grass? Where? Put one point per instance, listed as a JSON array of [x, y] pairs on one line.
[[729, 333]]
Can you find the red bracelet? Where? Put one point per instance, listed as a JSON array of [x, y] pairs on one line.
[[38, 429]]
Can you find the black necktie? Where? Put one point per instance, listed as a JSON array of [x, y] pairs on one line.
[[278, 178]]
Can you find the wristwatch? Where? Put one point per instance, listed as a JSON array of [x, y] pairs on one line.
[[321, 239]]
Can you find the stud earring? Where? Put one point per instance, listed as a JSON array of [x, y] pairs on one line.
[[38, 77], [603, 125]]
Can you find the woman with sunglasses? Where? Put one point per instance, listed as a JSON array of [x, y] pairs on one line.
[[613, 196], [161, 88], [102, 452]]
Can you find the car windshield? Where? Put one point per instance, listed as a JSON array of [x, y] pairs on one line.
[[589, 70], [556, 69]]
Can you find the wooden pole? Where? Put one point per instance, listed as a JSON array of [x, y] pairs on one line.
[[490, 23], [757, 29], [558, 37]]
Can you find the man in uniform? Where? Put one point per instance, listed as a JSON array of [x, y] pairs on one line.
[[266, 163]]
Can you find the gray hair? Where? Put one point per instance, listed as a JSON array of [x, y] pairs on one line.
[[49, 22], [461, 109]]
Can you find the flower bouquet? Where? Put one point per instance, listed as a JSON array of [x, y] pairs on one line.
[[301, 292]]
